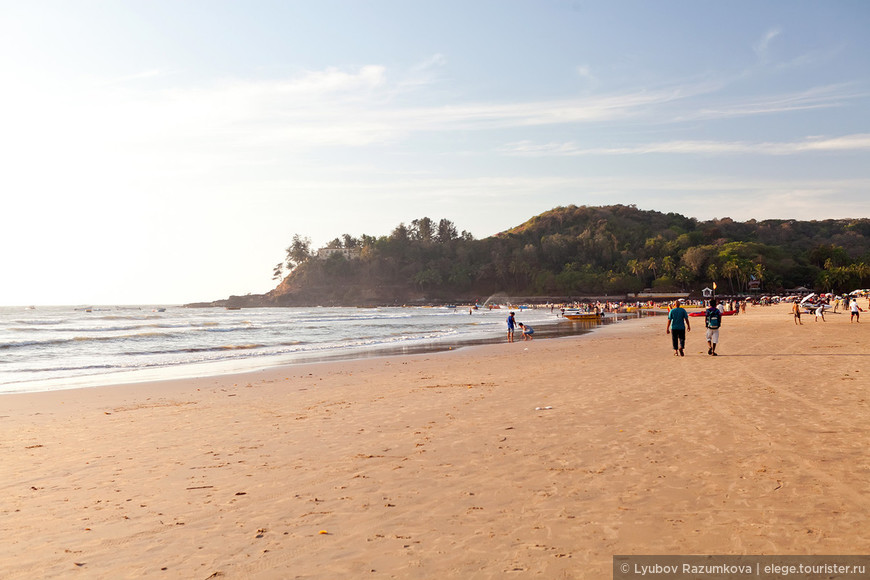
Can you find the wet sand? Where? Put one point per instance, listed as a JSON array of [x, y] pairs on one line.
[[539, 458]]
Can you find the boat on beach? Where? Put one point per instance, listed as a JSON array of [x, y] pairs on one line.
[[704, 313], [582, 315]]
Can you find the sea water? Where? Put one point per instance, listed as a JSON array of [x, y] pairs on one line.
[[59, 347]]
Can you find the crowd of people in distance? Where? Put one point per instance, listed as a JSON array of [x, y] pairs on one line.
[[713, 310], [818, 305]]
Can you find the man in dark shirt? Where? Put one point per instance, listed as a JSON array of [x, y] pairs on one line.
[[712, 320]]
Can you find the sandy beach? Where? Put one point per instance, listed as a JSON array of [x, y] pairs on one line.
[[532, 459]]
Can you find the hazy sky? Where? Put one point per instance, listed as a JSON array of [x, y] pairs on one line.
[[166, 151]]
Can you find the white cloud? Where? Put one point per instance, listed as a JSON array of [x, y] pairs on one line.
[[422, 74], [856, 142], [147, 74], [329, 81], [248, 120], [816, 98], [318, 108], [762, 47], [437, 60]]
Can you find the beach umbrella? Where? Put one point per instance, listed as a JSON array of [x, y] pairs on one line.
[[808, 297]]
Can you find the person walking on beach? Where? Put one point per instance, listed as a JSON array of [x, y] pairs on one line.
[[796, 309], [854, 311], [678, 324], [820, 311], [511, 322], [712, 320]]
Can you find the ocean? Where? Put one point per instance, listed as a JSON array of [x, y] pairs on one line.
[[61, 347]]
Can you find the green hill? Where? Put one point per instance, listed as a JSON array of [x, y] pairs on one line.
[[575, 251]]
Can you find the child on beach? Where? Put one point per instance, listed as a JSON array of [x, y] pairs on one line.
[[528, 331]]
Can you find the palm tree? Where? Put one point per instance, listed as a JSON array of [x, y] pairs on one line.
[[838, 278], [862, 271], [669, 265], [760, 273], [730, 269], [298, 252], [684, 276], [824, 279], [635, 267], [713, 273], [744, 269], [652, 267]]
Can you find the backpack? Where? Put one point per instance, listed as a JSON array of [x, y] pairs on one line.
[[714, 318]]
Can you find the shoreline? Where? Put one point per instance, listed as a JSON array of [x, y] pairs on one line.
[[146, 387], [537, 458], [556, 328]]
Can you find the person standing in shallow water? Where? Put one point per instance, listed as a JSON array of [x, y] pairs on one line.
[[678, 324], [511, 322]]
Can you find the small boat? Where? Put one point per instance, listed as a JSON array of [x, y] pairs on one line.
[[581, 315]]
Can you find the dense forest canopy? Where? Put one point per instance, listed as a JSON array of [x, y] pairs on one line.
[[576, 251]]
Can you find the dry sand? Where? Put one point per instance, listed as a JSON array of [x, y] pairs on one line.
[[440, 466]]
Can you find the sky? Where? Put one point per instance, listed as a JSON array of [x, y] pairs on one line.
[[166, 151]]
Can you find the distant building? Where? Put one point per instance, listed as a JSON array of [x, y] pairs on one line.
[[348, 253]]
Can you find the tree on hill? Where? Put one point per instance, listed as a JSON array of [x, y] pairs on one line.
[[587, 250], [298, 252]]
